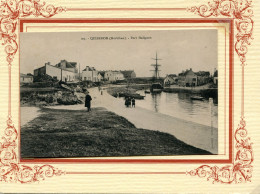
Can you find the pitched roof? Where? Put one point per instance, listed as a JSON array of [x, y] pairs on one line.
[[172, 75], [89, 68], [202, 73], [68, 64], [102, 73], [186, 72], [127, 73]]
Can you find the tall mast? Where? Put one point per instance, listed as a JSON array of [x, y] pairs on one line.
[[156, 67]]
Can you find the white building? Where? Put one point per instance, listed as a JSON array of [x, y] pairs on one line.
[[113, 76], [64, 71], [90, 74], [170, 79], [100, 77], [60, 74], [26, 78]]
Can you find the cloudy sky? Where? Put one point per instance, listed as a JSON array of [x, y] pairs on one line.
[[178, 49]]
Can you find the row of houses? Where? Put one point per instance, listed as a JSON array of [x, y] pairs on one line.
[[188, 78], [91, 74], [68, 72]]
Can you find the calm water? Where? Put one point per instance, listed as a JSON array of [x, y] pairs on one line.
[[181, 106]]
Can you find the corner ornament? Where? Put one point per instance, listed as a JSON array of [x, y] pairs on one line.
[[241, 169], [242, 13], [11, 11], [10, 168]]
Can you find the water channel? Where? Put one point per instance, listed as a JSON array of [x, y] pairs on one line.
[[181, 106]]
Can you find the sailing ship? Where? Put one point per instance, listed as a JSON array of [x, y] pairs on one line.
[[156, 87]]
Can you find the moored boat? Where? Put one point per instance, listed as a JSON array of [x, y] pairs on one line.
[[196, 98], [156, 88]]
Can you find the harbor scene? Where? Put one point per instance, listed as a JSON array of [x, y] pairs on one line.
[[74, 109]]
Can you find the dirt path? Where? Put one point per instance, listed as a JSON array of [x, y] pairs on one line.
[[28, 114]]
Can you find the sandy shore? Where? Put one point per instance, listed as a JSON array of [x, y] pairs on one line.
[[200, 136]]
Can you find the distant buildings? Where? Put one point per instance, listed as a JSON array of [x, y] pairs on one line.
[[26, 78], [215, 77], [202, 77], [113, 76], [65, 71], [188, 78], [90, 74], [170, 79], [128, 74]]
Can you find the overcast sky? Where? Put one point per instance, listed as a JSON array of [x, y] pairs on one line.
[[178, 49]]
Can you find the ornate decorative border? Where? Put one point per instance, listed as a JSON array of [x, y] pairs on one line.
[[241, 168], [10, 12]]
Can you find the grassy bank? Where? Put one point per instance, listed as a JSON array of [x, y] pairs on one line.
[[67, 133]]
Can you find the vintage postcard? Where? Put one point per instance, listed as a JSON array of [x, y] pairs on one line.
[[129, 97]]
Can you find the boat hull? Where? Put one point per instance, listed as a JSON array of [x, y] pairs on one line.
[[196, 98], [156, 90]]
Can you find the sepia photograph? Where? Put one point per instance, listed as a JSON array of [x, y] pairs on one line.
[[119, 93]]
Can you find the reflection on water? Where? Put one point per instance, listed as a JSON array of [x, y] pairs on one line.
[[156, 101], [181, 106]]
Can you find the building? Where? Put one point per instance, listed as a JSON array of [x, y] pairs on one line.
[[90, 74], [170, 79], [203, 77], [215, 77], [187, 78], [64, 71], [26, 78], [101, 76], [69, 66], [129, 74], [113, 76]]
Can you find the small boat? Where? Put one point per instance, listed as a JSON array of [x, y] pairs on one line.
[[196, 98], [156, 88], [129, 95], [147, 92]]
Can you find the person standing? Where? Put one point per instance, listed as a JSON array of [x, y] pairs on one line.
[[126, 102], [133, 102], [88, 102]]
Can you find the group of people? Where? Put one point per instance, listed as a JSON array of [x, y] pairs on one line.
[[129, 102]]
